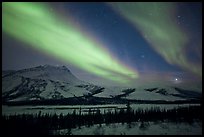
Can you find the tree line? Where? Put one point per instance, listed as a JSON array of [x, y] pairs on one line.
[[35, 124]]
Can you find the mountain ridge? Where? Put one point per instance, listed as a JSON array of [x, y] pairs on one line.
[[46, 82]]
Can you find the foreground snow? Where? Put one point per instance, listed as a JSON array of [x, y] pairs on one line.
[[137, 128]]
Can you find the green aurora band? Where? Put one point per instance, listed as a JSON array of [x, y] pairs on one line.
[[34, 24], [155, 21]]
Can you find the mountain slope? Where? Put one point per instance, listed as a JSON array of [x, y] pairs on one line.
[[43, 82], [58, 84], [6, 72]]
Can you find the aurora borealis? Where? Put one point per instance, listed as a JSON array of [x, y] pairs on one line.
[[120, 42], [154, 21], [32, 23]]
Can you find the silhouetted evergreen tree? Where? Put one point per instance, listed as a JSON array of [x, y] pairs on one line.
[[26, 124]]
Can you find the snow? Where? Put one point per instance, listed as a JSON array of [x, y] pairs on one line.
[[14, 93], [69, 91], [48, 91], [146, 95], [52, 81], [8, 83], [135, 128], [151, 128], [76, 91], [59, 82], [110, 92], [22, 98], [6, 72], [49, 72], [141, 94]]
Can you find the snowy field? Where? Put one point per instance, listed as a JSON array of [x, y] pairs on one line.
[[65, 109], [137, 128]]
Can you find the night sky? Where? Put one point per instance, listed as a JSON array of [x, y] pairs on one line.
[[103, 42]]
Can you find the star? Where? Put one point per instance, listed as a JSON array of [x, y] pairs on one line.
[[92, 36], [142, 56]]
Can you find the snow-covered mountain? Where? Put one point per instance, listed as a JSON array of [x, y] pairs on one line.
[[43, 82], [154, 93], [5, 72], [57, 82]]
